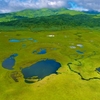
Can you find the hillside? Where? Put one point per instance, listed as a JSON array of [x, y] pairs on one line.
[[54, 21], [31, 13], [48, 19]]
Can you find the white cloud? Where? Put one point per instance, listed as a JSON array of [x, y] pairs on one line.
[[54, 4], [5, 10], [78, 9], [76, 6], [15, 5], [89, 4]]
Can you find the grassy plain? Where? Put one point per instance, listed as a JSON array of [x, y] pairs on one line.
[[67, 85]]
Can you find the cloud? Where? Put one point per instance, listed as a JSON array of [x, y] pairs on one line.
[[16, 5], [90, 4], [74, 6]]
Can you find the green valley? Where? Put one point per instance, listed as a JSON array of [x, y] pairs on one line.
[[71, 38]]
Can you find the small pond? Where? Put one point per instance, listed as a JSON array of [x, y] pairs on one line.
[[42, 51], [79, 52], [14, 40], [9, 62], [31, 39], [98, 69], [40, 69], [35, 41], [22, 40]]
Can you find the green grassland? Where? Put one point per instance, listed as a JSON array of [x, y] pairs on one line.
[[66, 85]]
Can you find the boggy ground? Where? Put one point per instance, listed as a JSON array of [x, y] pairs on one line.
[[61, 46]]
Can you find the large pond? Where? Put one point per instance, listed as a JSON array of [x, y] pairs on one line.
[[40, 69], [9, 62]]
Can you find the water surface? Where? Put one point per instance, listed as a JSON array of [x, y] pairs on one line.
[[9, 62], [41, 69], [79, 52], [42, 51], [98, 69]]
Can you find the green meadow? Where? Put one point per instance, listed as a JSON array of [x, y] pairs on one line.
[[78, 46]]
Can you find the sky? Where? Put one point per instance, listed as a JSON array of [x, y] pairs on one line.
[[17, 5]]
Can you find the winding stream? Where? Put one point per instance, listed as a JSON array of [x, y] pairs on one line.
[[86, 79]]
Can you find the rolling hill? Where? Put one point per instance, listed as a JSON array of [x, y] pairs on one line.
[[31, 13], [48, 19]]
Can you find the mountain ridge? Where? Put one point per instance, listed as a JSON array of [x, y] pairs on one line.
[[32, 13], [49, 18]]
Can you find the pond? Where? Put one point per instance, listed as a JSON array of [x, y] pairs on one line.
[[14, 40], [40, 69], [98, 69], [30, 39], [9, 62], [35, 41], [79, 52], [42, 51], [22, 40]]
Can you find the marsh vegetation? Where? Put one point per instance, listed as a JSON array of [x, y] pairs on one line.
[[72, 44]]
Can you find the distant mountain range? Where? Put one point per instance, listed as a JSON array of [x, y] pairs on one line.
[[49, 18], [31, 13], [92, 12]]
